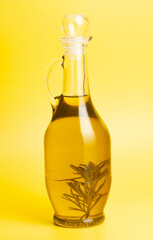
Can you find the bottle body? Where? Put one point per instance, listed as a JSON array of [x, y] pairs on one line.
[[77, 163]]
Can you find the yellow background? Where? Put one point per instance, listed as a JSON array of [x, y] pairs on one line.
[[120, 61]]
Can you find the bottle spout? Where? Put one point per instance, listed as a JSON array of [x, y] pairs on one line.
[[75, 41]]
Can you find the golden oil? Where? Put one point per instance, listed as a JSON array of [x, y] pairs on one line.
[[77, 163]]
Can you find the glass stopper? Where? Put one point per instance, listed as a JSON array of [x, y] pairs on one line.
[[75, 25]]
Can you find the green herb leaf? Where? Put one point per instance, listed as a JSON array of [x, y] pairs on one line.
[[84, 190]]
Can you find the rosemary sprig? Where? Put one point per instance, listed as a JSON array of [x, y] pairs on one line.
[[84, 190]]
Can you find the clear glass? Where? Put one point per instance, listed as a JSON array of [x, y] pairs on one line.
[[77, 148]]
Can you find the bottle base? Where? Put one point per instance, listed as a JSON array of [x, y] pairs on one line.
[[71, 223]]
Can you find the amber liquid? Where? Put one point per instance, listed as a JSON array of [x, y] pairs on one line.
[[77, 163]]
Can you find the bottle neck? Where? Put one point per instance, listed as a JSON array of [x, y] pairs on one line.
[[75, 74]]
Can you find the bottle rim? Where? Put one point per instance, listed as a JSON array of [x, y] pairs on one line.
[[82, 40]]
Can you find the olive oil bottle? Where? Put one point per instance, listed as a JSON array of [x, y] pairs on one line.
[[77, 141]]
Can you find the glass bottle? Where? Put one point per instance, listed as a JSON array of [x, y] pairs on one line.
[[76, 142]]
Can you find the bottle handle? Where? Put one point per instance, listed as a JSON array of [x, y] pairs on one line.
[[50, 67]]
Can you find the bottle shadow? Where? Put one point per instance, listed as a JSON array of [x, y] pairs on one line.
[[98, 232]]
